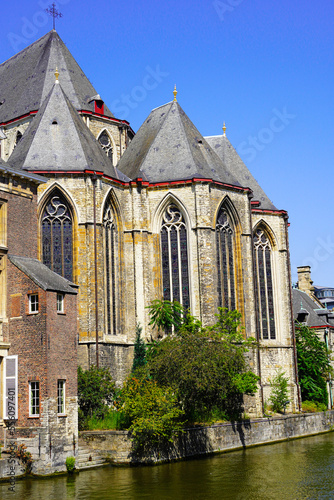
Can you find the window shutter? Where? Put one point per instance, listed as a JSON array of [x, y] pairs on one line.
[[10, 399]]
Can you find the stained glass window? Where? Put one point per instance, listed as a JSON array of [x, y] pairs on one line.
[[106, 144], [110, 245], [264, 285], [174, 254], [57, 236], [225, 261]]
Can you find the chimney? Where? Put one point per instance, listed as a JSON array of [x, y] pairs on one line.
[[304, 280]]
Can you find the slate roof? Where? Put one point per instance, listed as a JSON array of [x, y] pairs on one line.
[[6, 167], [67, 145], [42, 275], [224, 149], [26, 78], [316, 316], [168, 147]]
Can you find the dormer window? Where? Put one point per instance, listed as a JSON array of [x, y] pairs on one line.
[[54, 122], [99, 107]]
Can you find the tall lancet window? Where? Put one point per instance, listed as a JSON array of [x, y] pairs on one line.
[[264, 285], [106, 144], [110, 246], [174, 252], [57, 236], [225, 261]]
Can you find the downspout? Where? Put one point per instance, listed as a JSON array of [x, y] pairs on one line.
[[250, 196], [329, 377], [94, 180], [120, 141], [291, 311]]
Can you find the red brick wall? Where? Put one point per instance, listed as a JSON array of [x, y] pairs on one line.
[[45, 343]]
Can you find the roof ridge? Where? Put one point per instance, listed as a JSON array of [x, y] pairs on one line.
[[185, 135], [158, 132]]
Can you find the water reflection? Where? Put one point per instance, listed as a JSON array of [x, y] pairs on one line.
[[298, 470]]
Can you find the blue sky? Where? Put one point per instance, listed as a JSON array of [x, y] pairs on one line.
[[262, 66]]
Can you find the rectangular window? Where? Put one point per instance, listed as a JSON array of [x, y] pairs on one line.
[[61, 397], [34, 399], [10, 399], [33, 303], [60, 302]]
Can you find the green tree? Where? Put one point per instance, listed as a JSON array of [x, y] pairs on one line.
[[313, 365], [206, 367], [139, 358], [152, 411], [279, 391], [166, 314], [96, 391]]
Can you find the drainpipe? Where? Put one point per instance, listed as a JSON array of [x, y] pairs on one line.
[[329, 377], [291, 309], [94, 180], [250, 196]]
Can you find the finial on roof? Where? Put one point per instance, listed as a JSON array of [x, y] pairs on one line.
[[175, 93], [224, 129], [54, 13], [57, 74]]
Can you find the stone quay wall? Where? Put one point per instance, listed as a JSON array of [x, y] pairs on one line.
[[116, 446]]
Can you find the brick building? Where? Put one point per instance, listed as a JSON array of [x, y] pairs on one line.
[[38, 333], [165, 213]]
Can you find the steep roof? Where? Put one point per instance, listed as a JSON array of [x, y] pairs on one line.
[[58, 139], [168, 147], [26, 78], [42, 275], [222, 146], [7, 168], [316, 316]]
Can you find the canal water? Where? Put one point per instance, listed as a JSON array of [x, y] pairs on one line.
[[294, 470]]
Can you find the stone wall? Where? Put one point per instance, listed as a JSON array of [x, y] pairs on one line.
[[117, 447]]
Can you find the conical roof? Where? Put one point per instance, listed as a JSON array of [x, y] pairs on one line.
[[168, 147], [58, 139], [27, 78], [224, 149]]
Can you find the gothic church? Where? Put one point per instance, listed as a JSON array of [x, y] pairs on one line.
[[130, 218]]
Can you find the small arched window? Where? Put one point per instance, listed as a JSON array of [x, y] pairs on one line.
[[57, 236], [110, 247], [174, 253], [17, 138], [225, 260], [264, 285], [106, 144]]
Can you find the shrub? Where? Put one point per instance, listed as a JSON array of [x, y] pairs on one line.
[[313, 407], [279, 391], [70, 464], [25, 457], [139, 358], [96, 391]]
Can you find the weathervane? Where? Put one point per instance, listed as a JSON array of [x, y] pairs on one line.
[[53, 12]]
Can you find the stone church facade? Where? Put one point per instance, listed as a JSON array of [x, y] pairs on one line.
[[165, 213]]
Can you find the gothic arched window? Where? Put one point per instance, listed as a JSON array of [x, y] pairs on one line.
[[264, 285], [57, 236], [225, 261], [17, 138], [106, 144], [174, 252], [110, 246]]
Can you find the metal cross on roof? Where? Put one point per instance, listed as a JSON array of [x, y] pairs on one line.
[[52, 11]]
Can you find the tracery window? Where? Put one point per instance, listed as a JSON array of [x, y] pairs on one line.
[[264, 285], [106, 144], [110, 245], [174, 253], [225, 261], [57, 236]]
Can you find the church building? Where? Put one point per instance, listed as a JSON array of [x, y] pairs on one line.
[[129, 218]]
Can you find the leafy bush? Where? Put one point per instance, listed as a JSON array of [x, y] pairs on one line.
[[25, 457], [313, 365], [313, 407], [70, 464], [96, 392], [113, 420], [205, 367], [279, 391], [152, 411], [166, 314]]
